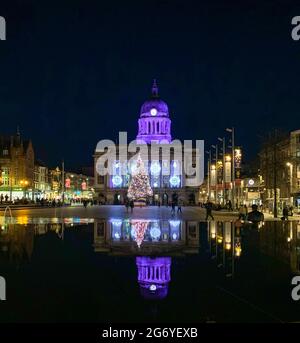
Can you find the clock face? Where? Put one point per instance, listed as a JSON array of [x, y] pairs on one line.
[[153, 112]]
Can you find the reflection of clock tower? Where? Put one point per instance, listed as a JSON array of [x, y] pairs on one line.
[[154, 122]]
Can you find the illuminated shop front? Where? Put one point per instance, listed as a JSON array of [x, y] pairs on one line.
[[78, 186]]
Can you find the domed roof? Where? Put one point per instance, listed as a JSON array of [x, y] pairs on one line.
[[154, 102]]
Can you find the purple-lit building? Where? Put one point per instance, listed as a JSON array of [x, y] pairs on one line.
[[154, 126], [154, 122], [154, 275], [153, 243]]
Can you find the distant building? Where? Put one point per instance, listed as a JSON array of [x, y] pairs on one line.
[[17, 167], [280, 170], [55, 181], [41, 180]]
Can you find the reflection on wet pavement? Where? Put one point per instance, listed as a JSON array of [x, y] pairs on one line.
[[164, 270]]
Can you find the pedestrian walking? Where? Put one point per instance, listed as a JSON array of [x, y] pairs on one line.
[[209, 207]]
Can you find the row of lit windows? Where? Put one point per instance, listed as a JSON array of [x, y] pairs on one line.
[[157, 171]]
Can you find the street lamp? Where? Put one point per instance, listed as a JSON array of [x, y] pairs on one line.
[[208, 172], [216, 160], [290, 165], [213, 179], [231, 130], [223, 155]]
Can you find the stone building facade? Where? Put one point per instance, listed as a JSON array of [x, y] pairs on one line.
[[154, 127], [280, 170], [17, 167]]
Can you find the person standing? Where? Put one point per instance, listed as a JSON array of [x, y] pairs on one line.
[[255, 216], [127, 205], [131, 205], [179, 207], [285, 213], [209, 207]]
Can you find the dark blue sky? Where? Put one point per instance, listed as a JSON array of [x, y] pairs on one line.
[[74, 72]]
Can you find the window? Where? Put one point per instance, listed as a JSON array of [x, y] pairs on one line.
[[5, 176], [5, 152]]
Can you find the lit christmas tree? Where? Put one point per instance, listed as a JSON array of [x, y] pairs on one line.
[[139, 187], [138, 230]]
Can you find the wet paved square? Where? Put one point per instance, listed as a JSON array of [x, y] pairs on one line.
[[148, 270]]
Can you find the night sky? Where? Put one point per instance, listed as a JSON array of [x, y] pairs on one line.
[[74, 72]]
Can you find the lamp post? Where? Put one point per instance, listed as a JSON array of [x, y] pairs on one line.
[[232, 159], [223, 159], [216, 160], [63, 182], [290, 165], [208, 173]]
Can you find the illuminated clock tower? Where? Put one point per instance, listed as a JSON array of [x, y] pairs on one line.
[[154, 122]]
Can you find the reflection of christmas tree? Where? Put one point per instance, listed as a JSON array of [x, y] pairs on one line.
[[139, 228], [139, 188]]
